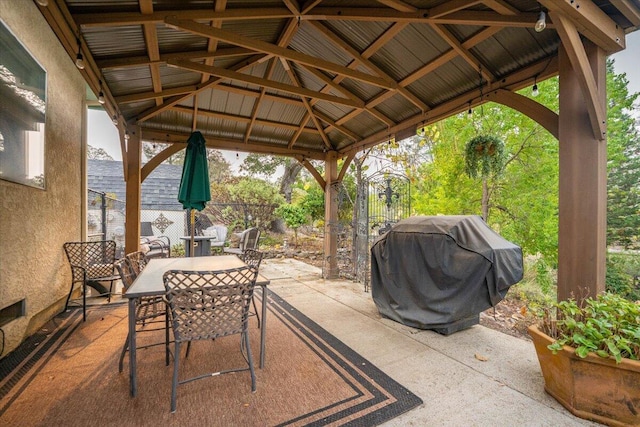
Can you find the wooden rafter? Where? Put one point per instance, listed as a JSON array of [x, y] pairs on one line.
[[461, 17], [268, 48], [258, 81]]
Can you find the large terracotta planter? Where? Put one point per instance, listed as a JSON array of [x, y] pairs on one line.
[[593, 388]]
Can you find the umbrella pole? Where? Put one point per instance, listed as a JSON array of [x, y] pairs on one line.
[[192, 240]]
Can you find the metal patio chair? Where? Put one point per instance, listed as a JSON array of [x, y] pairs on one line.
[[91, 263], [253, 258], [205, 305], [248, 240], [148, 309]]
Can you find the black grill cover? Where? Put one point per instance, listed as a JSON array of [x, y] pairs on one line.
[[437, 272]]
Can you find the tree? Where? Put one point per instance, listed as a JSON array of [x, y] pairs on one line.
[[94, 153], [294, 216], [623, 149], [267, 166], [521, 203]]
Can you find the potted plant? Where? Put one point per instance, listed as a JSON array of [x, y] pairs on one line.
[[589, 355], [484, 155]]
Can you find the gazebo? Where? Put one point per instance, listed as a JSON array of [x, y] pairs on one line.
[[325, 79]]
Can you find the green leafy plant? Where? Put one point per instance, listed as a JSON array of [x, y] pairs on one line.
[[294, 216], [484, 155], [607, 326]]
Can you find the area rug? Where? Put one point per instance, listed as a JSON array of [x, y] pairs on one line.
[[67, 374]]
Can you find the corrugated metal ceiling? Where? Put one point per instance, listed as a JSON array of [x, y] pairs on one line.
[[363, 68]]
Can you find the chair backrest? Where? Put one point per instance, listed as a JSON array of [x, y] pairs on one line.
[[209, 304], [252, 258], [222, 232], [250, 238], [137, 260], [96, 258], [127, 274], [146, 229]]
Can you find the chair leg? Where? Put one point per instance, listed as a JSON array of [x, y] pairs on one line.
[[255, 309], [166, 337], [84, 301], [250, 360], [174, 383], [124, 351], [66, 304]]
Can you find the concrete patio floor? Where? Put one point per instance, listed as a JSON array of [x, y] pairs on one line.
[[457, 388]]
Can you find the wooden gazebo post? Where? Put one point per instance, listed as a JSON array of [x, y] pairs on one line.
[[583, 178], [331, 216], [132, 174]]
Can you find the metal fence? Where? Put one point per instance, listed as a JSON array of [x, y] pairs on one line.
[[106, 219]]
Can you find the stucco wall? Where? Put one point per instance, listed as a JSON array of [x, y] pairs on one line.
[[35, 223]]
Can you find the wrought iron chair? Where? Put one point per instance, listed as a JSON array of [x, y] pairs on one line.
[[205, 305], [138, 261], [148, 309], [248, 240], [253, 258], [157, 246], [91, 263]]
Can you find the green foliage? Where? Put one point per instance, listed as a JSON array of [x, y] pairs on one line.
[[623, 153], [484, 155], [244, 191], [177, 250], [623, 270], [311, 199], [293, 215], [606, 326]]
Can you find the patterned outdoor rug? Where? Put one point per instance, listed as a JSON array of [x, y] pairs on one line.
[[67, 374]]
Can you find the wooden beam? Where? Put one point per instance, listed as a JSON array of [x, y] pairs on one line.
[[547, 118], [313, 171], [398, 5], [580, 62], [463, 17], [258, 81], [233, 144], [271, 49], [140, 61], [590, 21], [629, 10]]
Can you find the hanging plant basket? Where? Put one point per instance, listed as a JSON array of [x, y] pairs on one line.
[[484, 155]]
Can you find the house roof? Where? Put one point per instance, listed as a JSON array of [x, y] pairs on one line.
[[303, 78], [159, 190]]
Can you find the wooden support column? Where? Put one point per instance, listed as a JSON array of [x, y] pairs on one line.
[[133, 173], [331, 216], [583, 182]]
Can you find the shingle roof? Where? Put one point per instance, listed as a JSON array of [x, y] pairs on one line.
[[159, 190]]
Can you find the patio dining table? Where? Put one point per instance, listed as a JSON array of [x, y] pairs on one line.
[[150, 283]]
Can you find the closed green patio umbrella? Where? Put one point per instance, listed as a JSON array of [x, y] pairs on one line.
[[194, 192]]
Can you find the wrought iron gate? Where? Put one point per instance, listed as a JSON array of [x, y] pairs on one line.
[[383, 199]]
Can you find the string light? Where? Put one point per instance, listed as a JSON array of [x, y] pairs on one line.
[[126, 135], [534, 89], [421, 131], [43, 3], [79, 57], [114, 120], [101, 99], [541, 23], [470, 112]]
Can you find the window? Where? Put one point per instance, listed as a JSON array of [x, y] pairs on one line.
[[22, 113]]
